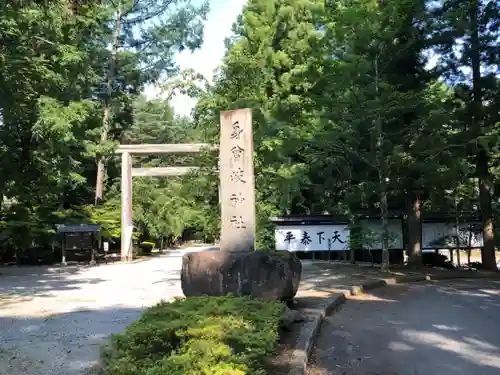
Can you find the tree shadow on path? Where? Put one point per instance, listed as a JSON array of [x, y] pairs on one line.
[[422, 328], [63, 344], [20, 284]]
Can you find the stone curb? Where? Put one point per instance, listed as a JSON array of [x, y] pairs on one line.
[[313, 320], [308, 332]]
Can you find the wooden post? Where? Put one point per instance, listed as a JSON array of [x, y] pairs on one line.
[[126, 190], [237, 186], [63, 249], [92, 249]]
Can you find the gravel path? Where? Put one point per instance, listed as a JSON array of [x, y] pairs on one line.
[[440, 328], [54, 320]]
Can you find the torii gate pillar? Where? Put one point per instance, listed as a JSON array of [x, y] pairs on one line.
[[127, 226]]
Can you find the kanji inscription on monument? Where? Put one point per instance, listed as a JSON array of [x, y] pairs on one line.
[[237, 186]]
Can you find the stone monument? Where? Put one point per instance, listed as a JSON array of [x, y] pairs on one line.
[[237, 184], [236, 268]]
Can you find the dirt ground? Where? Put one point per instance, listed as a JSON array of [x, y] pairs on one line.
[[53, 320]]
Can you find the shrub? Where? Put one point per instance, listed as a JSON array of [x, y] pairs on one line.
[[197, 336], [477, 266], [436, 260], [145, 248]]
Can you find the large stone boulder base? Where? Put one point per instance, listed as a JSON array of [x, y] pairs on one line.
[[266, 275]]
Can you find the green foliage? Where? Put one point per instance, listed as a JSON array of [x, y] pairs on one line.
[[197, 336], [347, 114], [55, 70], [165, 207], [108, 216]]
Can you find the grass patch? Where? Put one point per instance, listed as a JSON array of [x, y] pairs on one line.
[[197, 336]]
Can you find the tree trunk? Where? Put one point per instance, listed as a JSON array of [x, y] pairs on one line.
[[457, 234], [488, 249], [482, 159], [414, 229], [469, 247], [385, 222], [101, 163], [382, 175]]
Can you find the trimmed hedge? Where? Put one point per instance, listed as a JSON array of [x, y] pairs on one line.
[[197, 336], [145, 248]]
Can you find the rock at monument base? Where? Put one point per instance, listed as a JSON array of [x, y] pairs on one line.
[[266, 275]]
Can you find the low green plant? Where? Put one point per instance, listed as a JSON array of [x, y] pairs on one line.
[[197, 336], [145, 248]]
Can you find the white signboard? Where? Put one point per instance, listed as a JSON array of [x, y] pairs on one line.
[[312, 237], [373, 234], [106, 246], [442, 236]]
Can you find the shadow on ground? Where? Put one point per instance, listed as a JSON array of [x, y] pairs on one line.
[[422, 328], [24, 284], [19, 284], [62, 344], [171, 277], [320, 279]]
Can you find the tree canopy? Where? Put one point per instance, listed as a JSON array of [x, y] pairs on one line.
[[357, 105]]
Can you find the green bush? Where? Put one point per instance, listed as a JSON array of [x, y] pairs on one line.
[[145, 248], [197, 336]]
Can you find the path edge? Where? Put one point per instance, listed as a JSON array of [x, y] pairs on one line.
[[310, 329], [308, 332]]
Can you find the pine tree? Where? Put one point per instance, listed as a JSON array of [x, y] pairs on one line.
[[146, 34], [466, 36]]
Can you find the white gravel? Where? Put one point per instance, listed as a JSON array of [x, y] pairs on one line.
[[53, 320]]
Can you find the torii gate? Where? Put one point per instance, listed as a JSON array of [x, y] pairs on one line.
[[128, 172]]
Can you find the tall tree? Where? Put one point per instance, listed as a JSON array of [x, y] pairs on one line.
[[146, 34], [276, 43], [466, 35], [46, 85], [383, 98]]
